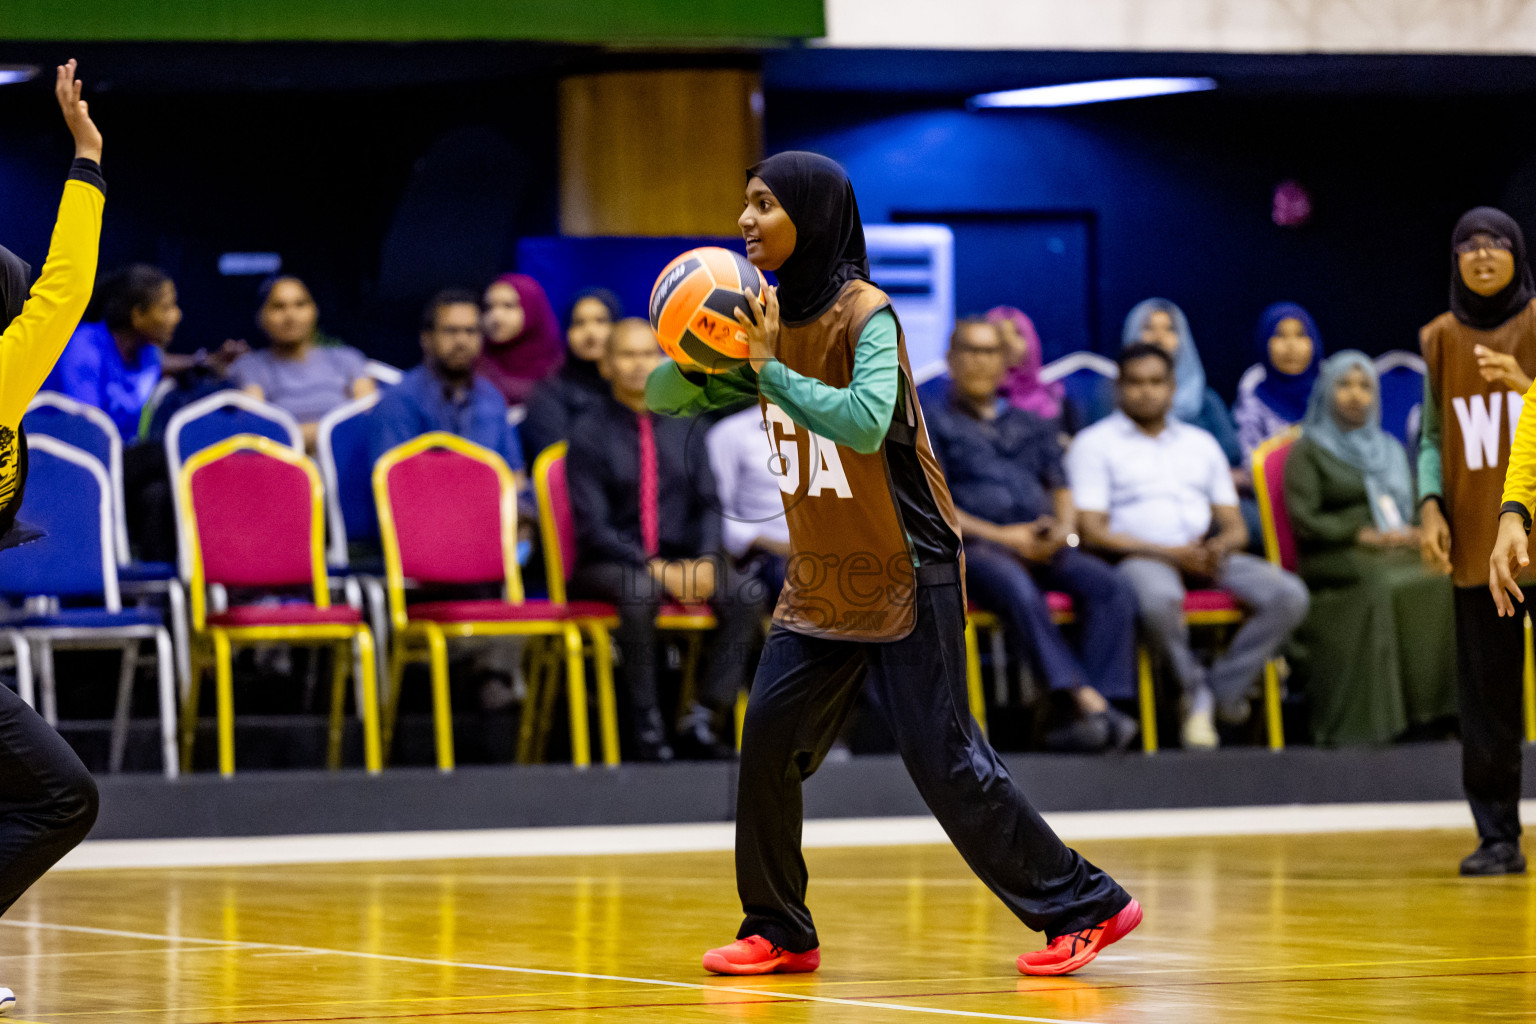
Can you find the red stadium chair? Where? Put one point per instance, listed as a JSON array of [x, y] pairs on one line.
[[448, 515], [557, 530], [251, 515], [1269, 486], [978, 620]]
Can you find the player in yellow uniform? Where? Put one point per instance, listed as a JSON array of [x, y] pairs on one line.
[[47, 798]]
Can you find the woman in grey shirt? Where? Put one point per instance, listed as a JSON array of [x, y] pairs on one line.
[[299, 372]]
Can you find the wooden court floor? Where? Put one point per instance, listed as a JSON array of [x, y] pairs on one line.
[[1363, 927]]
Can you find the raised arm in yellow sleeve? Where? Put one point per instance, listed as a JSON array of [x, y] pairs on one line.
[[1520, 477], [35, 339], [1511, 550]]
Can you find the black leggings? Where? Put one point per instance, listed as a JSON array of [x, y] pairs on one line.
[[803, 690], [1490, 666], [47, 799]]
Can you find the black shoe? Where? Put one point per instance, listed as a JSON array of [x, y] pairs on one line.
[[1123, 729], [696, 738], [1495, 858], [1087, 734], [651, 738]]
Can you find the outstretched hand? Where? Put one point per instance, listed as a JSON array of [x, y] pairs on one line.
[[1510, 556], [760, 327], [77, 114]]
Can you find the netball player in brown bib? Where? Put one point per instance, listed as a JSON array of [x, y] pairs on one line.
[[874, 589]]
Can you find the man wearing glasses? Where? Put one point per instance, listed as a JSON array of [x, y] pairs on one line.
[[1004, 467]]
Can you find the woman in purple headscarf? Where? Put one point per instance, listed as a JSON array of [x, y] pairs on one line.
[[523, 341], [1023, 387]]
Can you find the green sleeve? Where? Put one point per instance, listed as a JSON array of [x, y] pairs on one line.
[[858, 416], [1311, 524], [671, 392], [1431, 482]]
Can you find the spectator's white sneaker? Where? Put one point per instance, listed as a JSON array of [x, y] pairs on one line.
[[1199, 732]]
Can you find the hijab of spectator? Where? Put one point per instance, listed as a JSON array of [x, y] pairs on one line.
[[516, 363], [15, 278], [1022, 387], [1367, 448], [1485, 312], [829, 236], [1189, 372], [1286, 393]]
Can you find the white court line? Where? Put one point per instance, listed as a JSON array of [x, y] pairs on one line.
[[1076, 826], [504, 969]]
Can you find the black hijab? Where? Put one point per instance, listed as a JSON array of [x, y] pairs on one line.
[[1485, 312], [582, 371], [15, 282], [829, 237]]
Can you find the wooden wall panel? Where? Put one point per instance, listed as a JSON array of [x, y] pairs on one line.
[[657, 152]]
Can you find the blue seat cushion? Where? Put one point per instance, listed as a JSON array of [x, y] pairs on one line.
[[146, 572], [93, 618]]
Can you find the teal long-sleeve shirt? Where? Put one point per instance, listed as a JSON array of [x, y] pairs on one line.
[[1431, 470], [858, 416]]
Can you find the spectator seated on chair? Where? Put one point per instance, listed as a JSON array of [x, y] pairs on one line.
[[1274, 391], [565, 394], [522, 338], [1378, 654], [1022, 385], [114, 363], [1148, 488], [754, 529], [445, 393], [301, 371], [648, 533], [1162, 323], [1004, 467]]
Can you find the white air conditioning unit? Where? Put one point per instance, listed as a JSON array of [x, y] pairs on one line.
[[915, 265]]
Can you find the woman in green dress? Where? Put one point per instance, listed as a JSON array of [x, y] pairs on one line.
[[1377, 652]]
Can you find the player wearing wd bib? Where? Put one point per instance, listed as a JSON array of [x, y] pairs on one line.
[[1479, 357], [873, 586]]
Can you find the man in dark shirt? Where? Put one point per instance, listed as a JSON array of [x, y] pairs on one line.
[[443, 393], [648, 530], [1004, 467]]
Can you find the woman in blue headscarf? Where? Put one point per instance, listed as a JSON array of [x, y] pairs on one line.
[[1273, 392], [1376, 654], [1162, 323]]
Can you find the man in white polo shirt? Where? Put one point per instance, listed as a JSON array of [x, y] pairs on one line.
[[1157, 494]]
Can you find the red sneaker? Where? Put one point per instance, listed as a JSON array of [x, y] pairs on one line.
[[1069, 952], [756, 955]]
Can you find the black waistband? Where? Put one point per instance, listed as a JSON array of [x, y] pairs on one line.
[[938, 574]]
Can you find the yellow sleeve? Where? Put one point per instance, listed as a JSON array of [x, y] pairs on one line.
[[1520, 477], [36, 338]]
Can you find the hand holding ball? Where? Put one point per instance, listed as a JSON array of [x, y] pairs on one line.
[[694, 307]]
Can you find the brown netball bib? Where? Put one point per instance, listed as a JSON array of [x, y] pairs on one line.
[[851, 570]]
